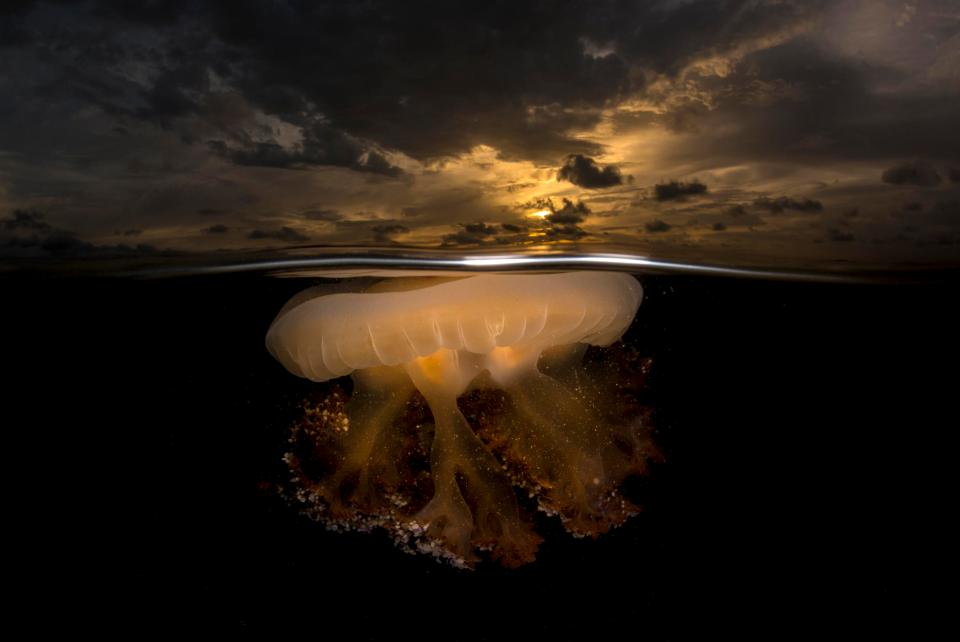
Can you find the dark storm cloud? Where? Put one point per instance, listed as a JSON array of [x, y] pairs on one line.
[[410, 76], [433, 79], [322, 215], [918, 173], [426, 78], [378, 164], [176, 74], [669, 35], [321, 145], [385, 232], [584, 172], [781, 203], [566, 232], [472, 234], [677, 189], [257, 154], [954, 174], [480, 229], [176, 92], [12, 32], [285, 234], [736, 210], [818, 103], [840, 236], [945, 213], [25, 220], [684, 116], [657, 225], [26, 234], [219, 228], [562, 222], [569, 214]]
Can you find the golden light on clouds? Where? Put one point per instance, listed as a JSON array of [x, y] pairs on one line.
[[787, 117]]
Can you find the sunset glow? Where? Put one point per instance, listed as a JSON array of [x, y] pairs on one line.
[[787, 133]]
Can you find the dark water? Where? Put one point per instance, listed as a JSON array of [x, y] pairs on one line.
[[805, 483]]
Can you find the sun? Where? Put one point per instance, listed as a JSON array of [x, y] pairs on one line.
[[541, 214]]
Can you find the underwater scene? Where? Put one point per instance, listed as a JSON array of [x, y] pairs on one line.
[[539, 450]]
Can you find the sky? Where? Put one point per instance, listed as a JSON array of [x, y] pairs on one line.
[[778, 132]]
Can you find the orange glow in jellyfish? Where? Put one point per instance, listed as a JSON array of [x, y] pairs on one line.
[[485, 332]]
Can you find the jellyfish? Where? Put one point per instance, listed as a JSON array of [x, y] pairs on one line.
[[520, 336]]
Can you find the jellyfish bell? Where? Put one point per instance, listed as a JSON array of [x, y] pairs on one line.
[[439, 339], [331, 336]]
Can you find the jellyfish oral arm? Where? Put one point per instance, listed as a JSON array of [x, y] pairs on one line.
[[460, 463], [379, 397]]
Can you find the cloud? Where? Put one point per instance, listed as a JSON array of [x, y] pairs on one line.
[[584, 172], [25, 220], [26, 234], [656, 226], [562, 222], [434, 67], [471, 234], [331, 216], [11, 31], [480, 228], [219, 228], [945, 213], [377, 163], [840, 236], [562, 229], [569, 214], [385, 232], [566, 232], [676, 189], [918, 173], [782, 203], [321, 145], [285, 234], [830, 102], [954, 174]]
